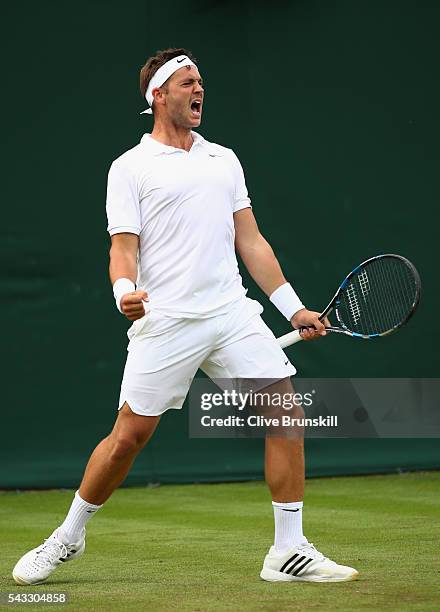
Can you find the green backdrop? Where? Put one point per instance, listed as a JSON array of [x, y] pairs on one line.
[[332, 108]]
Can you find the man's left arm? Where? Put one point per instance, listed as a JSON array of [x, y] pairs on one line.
[[263, 266]]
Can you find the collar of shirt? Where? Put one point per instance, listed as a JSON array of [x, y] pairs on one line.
[[158, 148]]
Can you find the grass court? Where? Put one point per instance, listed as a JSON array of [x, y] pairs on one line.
[[201, 547]]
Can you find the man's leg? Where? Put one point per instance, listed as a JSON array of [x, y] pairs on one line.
[[292, 557], [107, 468], [284, 467], [284, 456], [248, 352], [112, 459]]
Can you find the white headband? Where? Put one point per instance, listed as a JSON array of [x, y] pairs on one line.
[[162, 75]]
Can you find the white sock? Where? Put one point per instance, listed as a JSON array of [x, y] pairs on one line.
[[288, 525], [80, 512]]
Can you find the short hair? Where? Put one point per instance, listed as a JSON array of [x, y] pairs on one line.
[[153, 64]]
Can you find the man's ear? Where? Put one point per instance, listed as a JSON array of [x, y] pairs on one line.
[[158, 95]]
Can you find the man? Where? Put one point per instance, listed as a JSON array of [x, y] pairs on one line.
[[177, 205]]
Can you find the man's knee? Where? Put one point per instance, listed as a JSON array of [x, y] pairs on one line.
[[130, 433], [124, 447]]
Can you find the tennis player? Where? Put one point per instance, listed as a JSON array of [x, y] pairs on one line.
[[178, 208]]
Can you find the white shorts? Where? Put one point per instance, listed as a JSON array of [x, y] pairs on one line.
[[165, 353]]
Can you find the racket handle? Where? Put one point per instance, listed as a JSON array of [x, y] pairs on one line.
[[288, 339]]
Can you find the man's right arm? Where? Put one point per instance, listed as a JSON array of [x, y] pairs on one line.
[[123, 270]]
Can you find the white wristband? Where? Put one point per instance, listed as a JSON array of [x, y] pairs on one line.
[[120, 288], [286, 300]]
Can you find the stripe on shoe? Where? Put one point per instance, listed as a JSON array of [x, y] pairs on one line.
[[297, 562], [288, 562], [301, 567]]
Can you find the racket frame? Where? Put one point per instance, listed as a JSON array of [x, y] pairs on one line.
[[294, 336]]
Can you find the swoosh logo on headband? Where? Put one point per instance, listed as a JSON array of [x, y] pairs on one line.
[[180, 61]]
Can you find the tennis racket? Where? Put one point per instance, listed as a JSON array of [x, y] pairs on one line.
[[375, 299]]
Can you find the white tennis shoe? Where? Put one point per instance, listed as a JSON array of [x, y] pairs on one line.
[[304, 563], [37, 564]]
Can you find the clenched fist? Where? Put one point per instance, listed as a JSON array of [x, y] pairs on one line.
[[132, 304]]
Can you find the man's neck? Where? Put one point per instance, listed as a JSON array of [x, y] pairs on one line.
[[173, 137]]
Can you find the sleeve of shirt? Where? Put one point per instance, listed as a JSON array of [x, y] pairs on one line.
[[123, 208], [242, 199]]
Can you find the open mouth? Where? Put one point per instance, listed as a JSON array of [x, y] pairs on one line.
[[196, 107]]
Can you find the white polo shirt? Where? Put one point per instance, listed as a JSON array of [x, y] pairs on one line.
[[181, 205]]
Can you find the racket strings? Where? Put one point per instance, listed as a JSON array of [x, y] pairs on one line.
[[379, 297]]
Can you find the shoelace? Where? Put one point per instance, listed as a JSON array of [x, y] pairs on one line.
[[50, 551], [310, 550]]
